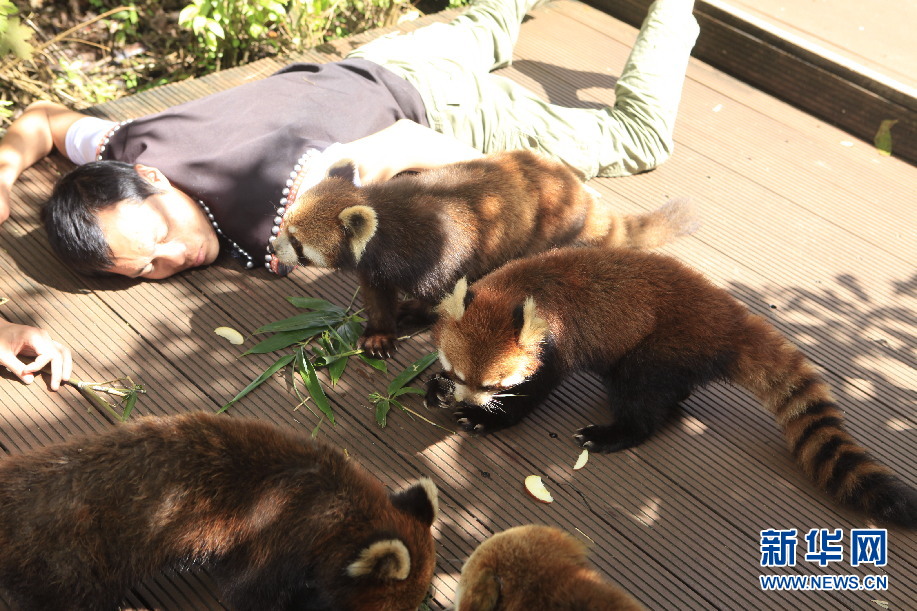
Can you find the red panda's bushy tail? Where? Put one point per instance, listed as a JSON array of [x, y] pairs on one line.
[[795, 393], [673, 219]]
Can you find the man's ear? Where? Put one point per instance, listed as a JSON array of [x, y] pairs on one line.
[[152, 175]]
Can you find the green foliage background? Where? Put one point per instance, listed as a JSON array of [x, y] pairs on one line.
[[85, 53]]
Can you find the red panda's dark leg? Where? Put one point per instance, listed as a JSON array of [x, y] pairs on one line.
[[415, 314], [274, 585], [641, 402], [381, 303]]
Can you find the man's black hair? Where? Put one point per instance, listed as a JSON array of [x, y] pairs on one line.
[[71, 213]]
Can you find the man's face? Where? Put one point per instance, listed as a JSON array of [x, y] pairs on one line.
[[165, 234]]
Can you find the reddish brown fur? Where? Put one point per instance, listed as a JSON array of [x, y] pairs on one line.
[[277, 517], [655, 330], [465, 219], [536, 567]]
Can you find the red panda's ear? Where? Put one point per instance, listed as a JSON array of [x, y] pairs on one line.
[[420, 500], [387, 559], [531, 327], [346, 169], [477, 591], [455, 303], [360, 224]]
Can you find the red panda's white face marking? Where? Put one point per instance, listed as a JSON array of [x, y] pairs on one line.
[[487, 346]]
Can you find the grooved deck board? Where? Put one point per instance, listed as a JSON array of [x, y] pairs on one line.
[[803, 223]]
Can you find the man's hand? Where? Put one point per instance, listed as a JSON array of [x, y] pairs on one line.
[[404, 146], [16, 340]]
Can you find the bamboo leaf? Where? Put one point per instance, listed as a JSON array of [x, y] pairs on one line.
[[277, 366], [349, 332], [314, 303], [310, 379], [378, 364], [410, 372], [408, 390], [382, 407], [321, 356], [128, 406], [301, 321], [282, 340], [336, 368], [303, 401]]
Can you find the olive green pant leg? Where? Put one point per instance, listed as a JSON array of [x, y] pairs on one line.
[[633, 135], [649, 91], [479, 40], [448, 66]]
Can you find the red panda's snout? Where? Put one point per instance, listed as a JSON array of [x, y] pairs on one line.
[[474, 396], [483, 381]]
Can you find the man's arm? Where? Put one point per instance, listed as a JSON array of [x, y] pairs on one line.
[[406, 145], [38, 131]]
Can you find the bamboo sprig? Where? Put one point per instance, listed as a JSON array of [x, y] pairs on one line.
[[126, 389]]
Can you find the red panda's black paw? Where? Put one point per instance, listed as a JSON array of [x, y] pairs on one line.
[[379, 345], [440, 392], [604, 439], [477, 420]]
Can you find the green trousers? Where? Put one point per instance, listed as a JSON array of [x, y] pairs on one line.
[[450, 64]]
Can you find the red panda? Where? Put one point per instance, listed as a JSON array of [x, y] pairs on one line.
[[281, 521], [419, 233], [536, 567], [655, 330]]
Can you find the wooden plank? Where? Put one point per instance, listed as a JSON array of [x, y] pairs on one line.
[[802, 74]]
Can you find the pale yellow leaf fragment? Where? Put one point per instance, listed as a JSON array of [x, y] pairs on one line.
[[230, 335]]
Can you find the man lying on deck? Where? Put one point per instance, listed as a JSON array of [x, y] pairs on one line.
[[167, 192]]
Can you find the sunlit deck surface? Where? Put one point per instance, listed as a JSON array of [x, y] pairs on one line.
[[803, 222]]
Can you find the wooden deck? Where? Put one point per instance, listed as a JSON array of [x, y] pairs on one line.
[[848, 63], [804, 223]]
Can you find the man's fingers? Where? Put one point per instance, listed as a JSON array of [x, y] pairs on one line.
[[61, 364], [60, 361], [40, 361], [17, 367], [67, 369]]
